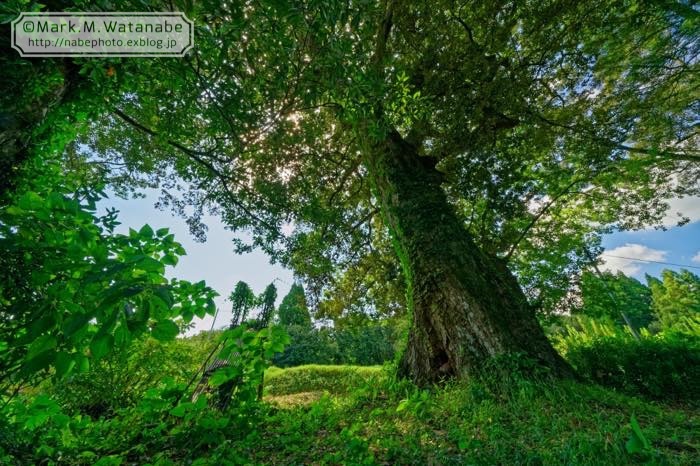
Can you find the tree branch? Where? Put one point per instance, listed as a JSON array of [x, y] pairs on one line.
[[690, 157], [197, 157], [537, 217]]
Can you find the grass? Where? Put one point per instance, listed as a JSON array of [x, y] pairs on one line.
[[317, 377], [354, 415]]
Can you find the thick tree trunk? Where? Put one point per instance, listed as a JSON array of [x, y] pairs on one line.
[[466, 307]]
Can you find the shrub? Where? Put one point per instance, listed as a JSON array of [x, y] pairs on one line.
[[659, 367], [121, 379], [313, 377], [366, 346], [308, 346]]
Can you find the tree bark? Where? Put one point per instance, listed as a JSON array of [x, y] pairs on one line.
[[466, 306]]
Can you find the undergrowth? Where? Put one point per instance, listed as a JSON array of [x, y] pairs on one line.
[[316, 377], [360, 415], [480, 422]]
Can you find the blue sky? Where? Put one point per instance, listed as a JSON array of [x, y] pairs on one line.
[[215, 262], [678, 245]]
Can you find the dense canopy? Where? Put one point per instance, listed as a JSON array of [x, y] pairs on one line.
[[341, 134], [438, 175]]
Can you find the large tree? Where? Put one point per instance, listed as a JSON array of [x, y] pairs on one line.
[[479, 136]]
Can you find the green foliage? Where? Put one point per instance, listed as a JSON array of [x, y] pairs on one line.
[[637, 442], [249, 352], [368, 345], [371, 287], [528, 113], [669, 303], [525, 110], [121, 379], [308, 345], [293, 308], [148, 424], [675, 298], [242, 301], [267, 306], [609, 296], [72, 290], [525, 422], [581, 331], [150, 432], [367, 417], [662, 367], [314, 377]]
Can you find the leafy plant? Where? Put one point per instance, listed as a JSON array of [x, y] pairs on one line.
[[637, 442], [72, 290], [662, 367], [248, 353]]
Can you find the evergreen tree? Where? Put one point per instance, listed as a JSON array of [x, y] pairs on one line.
[[294, 309], [242, 301], [267, 305]]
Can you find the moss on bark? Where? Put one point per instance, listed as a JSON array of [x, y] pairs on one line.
[[466, 306]]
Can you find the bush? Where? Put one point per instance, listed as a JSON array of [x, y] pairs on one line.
[[121, 379], [658, 367], [308, 346], [310, 378], [366, 346]]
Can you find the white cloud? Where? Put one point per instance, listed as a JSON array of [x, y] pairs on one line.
[[635, 251], [696, 258], [688, 206]]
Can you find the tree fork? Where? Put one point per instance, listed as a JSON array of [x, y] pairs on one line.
[[467, 307]]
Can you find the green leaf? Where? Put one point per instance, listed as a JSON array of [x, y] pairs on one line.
[[181, 409], [150, 264], [111, 460], [211, 307], [463, 444], [165, 330], [13, 210], [223, 375], [146, 231], [41, 344], [75, 323], [41, 326], [121, 335], [637, 442], [101, 345], [39, 362], [403, 404], [83, 363], [165, 295], [64, 364], [169, 259]]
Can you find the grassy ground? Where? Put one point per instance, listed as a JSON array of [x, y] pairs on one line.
[[352, 415], [319, 378]]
